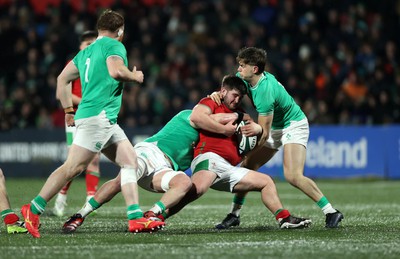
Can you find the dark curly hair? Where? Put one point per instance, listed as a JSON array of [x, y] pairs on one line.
[[110, 21], [253, 56]]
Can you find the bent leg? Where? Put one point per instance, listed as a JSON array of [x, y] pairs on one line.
[[108, 190], [255, 181], [175, 188], [201, 182], [123, 154], [294, 158], [254, 161], [77, 161]]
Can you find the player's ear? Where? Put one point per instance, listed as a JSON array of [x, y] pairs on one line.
[[255, 69], [223, 91], [120, 32]]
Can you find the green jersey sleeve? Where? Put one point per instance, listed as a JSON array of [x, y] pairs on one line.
[[270, 97]]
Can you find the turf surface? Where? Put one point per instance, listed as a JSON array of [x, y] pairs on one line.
[[371, 228]]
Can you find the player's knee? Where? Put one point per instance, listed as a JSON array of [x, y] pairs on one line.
[[293, 179], [128, 174], [181, 182], [176, 180], [72, 170]]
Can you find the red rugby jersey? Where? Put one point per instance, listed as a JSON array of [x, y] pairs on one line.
[[219, 144]]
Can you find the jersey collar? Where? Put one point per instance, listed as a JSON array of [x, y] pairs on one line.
[[262, 77]]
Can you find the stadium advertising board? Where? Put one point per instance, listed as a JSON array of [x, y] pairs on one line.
[[348, 152], [332, 152]]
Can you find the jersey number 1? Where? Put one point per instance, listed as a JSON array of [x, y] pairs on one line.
[[87, 70]]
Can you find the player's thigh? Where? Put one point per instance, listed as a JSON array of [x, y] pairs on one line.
[[78, 158], [252, 181], [125, 154], [119, 149], [202, 180], [294, 158]]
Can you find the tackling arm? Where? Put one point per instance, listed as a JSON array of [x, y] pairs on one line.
[[266, 123], [201, 118]]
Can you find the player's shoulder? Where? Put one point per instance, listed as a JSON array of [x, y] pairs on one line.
[[106, 42], [269, 78], [185, 112], [206, 101]]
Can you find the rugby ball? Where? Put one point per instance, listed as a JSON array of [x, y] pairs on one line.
[[245, 144]]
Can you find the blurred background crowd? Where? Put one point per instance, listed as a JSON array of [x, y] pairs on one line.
[[338, 59]]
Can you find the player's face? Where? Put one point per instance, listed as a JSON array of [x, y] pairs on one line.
[[246, 71], [86, 43], [232, 98]]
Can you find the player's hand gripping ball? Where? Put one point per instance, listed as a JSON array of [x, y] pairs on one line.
[[246, 144]]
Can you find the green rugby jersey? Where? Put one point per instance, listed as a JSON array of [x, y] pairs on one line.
[[270, 97], [99, 90], [177, 140]]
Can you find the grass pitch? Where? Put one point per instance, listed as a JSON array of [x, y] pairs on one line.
[[371, 228]]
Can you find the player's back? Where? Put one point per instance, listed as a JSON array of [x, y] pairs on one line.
[[177, 140], [99, 90]]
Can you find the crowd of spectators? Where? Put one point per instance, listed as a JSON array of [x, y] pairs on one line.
[[338, 59]]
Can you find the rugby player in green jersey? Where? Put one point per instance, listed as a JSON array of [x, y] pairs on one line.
[[162, 158], [283, 123], [217, 154], [102, 68]]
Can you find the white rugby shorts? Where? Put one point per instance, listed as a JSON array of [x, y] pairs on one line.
[[227, 175], [298, 132], [152, 161], [96, 133]]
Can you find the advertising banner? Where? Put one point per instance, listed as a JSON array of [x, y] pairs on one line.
[[339, 152], [332, 152]]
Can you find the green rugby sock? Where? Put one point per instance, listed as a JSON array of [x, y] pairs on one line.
[[95, 205], [134, 212], [325, 206], [158, 208], [237, 204], [38, 205]]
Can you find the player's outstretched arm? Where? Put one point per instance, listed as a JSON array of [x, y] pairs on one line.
[[118, 71]]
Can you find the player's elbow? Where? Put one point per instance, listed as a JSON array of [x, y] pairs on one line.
[[116, 74], [195, 118]]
